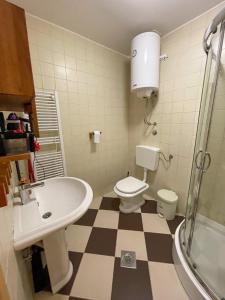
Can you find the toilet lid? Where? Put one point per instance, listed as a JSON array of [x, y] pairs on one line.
[[130, 185], [167, 195]]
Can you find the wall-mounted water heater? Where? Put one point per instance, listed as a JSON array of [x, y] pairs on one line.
[[145, 59]]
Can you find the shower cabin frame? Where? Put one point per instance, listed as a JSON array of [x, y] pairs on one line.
[[202, 159], [202, 165]]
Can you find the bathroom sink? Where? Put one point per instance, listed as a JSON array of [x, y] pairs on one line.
[[57, 204]]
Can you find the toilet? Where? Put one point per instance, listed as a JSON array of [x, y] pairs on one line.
[[130, 189]]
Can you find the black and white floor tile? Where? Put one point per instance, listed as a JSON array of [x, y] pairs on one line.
[[95, 243]]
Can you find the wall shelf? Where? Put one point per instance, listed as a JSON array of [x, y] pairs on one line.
[[13, 157], [16, 78]]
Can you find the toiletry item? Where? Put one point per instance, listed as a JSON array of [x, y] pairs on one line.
[[24, 124], [31, 142], [12, 117], [15, 143], [13, 125], [37, 146], [2, 122], [96, 136], [2, 147], [13, 122]]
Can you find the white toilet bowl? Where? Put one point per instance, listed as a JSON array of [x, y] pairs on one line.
[[130, 189]]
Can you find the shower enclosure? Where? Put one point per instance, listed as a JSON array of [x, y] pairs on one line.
[[199, 247]]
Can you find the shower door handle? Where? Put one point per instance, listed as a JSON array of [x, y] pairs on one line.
[[198, 166], [207, 155], [201, 165]]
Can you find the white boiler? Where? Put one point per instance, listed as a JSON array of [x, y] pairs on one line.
[[145, 59]]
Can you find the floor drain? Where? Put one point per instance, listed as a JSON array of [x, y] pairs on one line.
[[128, 259], [46, 215]]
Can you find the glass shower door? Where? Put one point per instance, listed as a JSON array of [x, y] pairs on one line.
[[200, 144], [205, 217]]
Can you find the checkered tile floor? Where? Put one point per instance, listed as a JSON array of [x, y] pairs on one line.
[[95, 243]]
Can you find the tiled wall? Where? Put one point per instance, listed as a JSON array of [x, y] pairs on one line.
[[175, 109], [92, 82], [13, 266]]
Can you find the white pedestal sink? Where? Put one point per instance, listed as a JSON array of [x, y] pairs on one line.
[[63, 201]]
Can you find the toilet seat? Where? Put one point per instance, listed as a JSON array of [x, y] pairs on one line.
[[129, 190], [130, 185]]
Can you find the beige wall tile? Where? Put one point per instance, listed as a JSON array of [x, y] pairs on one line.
[[95, 82], [13, 266]]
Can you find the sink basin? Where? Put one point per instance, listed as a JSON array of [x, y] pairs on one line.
[[54, 206], [61, 200]]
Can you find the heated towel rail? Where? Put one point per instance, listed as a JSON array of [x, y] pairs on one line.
[[49, 162]]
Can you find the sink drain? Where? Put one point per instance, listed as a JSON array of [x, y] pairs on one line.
[[46, 215]]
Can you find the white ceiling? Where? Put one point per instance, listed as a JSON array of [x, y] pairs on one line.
[[114, 23]]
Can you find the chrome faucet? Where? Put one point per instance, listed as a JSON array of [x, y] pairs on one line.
[[25, 191]]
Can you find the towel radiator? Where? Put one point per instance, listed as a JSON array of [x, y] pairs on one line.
[[49, 162]]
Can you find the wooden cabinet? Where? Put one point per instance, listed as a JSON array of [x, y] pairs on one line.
[[16, 79]]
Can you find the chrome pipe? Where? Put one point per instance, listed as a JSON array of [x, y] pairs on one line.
[[212, 28]]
